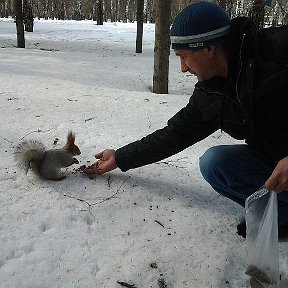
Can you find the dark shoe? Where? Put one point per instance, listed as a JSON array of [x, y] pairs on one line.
[[282, 230], [241, 229]]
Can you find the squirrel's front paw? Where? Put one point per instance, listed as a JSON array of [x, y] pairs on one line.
[[75, 161]]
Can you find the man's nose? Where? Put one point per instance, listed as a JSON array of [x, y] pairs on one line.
[[184, 67]]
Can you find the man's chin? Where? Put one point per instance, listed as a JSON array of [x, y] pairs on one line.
[[199, 78]]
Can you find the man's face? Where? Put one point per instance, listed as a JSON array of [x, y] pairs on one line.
[[197, 63]]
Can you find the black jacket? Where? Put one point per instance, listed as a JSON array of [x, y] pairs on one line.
[[251, 104]]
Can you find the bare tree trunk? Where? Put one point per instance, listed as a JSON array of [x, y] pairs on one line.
[[114, 11], [100, 12], [19, 23], [162, 47], [131, 10], [123, 10], [107, 10], [78, 10], [5, 8], [46, 10], [150, 11], [139, 38], [283, 12], [257, 13], [28, 15], [61, 11], [94, 10]]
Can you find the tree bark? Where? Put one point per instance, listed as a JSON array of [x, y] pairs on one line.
[[19, 23], [123, 10], [28, 16], [150, 11], [100, 12], [162, 47], [61, 10], [139, 38]]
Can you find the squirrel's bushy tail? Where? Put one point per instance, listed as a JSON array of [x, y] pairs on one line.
[[29, 154]]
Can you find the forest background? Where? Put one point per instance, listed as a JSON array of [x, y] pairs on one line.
[[270, 12], [262, 12]]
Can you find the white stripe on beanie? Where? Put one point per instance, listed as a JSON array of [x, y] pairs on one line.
[[201, 37]]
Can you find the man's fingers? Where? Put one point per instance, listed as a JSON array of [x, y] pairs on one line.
[[269, 185], [99, 155], [275, 184], [91, 169]]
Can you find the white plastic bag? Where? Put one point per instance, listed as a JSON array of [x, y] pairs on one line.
[[262, 237]]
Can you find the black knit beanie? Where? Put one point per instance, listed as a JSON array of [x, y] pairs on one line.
[[199, 25]]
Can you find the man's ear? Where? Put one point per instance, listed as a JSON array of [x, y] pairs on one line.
[[211, 50]]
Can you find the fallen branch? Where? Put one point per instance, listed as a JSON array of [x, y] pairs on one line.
[[124, 284], [81, 200], [112, 196], [36, 131], [158, 222], [101, 201]]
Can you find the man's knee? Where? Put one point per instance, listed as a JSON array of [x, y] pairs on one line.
[[209, 160]]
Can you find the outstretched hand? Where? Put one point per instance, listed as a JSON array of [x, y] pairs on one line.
[[105, 163], [278, 181]]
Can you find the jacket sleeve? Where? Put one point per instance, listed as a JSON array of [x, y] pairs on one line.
[[184, 129]]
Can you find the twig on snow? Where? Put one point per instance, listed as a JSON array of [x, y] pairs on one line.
[[124, 284], [101, 201], [36, 131], [158, 222], [81, 200], [112, 196]]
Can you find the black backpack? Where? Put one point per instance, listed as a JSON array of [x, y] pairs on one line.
[[273, 44]]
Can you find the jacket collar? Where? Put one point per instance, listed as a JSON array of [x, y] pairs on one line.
[[242, 39]]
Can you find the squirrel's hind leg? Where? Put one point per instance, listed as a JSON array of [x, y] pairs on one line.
[[54, 174]]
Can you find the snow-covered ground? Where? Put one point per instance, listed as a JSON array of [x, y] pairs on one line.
[[160, 223]]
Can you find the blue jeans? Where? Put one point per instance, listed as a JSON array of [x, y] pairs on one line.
[[237, 171]]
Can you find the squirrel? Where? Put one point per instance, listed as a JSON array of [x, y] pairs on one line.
[[46, 164]]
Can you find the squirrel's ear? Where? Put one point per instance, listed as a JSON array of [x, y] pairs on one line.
[[71, 137]]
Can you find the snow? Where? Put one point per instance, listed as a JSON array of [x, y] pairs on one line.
[[160, 221]]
